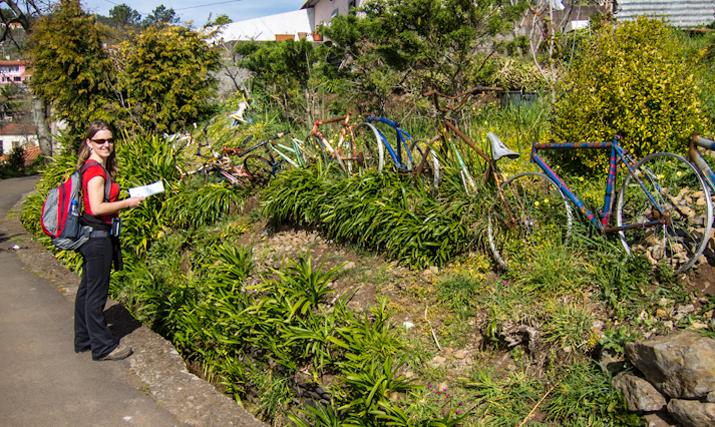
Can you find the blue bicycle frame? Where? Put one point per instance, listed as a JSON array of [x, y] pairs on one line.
[[696, 158], [601, 221], [401, 141]]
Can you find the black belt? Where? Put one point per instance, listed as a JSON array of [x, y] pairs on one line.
[[99, 233]]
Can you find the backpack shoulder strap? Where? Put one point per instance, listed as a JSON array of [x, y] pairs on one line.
[[107, 177]]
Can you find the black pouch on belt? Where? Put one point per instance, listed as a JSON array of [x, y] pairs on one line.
[[116, 227]]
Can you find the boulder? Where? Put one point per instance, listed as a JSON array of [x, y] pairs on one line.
[[681, 365], [640, 395], [659, 419], [692, 413]]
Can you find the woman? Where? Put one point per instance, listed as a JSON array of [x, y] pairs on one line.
[[97, 163]]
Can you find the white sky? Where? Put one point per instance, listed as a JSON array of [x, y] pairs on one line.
[[199, 10]]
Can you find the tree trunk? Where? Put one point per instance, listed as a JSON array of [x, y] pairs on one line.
[[39, 115]]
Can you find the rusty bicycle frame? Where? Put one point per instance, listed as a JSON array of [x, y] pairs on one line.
[[446, 125], [344, 160]]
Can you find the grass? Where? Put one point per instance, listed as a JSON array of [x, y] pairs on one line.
[[259, 332]]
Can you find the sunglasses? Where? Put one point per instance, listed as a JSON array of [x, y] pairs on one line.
[[101, 141]]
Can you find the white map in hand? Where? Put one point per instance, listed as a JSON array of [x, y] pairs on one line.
[[147, 190]]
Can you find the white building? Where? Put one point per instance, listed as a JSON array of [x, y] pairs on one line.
[[272, 27], [325, 10], [290, 25], [17, 134]]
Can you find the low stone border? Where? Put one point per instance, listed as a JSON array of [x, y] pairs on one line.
[[155, 361]]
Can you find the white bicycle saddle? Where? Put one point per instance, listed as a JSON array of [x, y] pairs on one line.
[[500, 150]]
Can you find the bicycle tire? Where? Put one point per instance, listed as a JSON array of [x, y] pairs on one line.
[[541, 215], [259, 168], [428, 168], [368, 146], [680, 190]]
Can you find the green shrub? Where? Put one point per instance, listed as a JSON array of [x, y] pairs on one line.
[[634, 80], [381, 212]]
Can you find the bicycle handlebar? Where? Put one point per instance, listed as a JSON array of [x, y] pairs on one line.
[[343, 118], [473, 91], [462, 97], [703, 142]]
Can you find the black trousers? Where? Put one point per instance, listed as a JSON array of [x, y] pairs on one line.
[[90, 327]]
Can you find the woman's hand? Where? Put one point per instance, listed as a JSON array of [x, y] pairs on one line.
[[133, 202]]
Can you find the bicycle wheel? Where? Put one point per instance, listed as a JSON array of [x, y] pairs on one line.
[[259, 168], [534, 213], [675, 185], [426, 167], [363, 150]]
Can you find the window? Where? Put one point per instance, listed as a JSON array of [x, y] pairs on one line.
[[2, 148], [17, 78], [352, 4]]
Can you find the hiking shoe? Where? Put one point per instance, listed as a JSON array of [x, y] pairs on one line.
[[119, 353]]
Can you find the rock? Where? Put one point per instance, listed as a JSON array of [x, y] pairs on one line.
[[661, 313], [681, 365], [659, 419], [460, 354], [514, 335], [438, 361], [698, 325], [710, 397], [349, 265], [683, 310], [611, 363], [640, 395], [691, 413]]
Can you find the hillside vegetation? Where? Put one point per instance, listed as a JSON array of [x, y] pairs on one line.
[[319, 298]]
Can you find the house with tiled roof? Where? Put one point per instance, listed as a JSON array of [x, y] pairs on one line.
[[17, 134]]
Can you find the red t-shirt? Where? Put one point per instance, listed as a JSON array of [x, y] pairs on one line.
[[90, 172]]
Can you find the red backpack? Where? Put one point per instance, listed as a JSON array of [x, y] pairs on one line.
[[62, 208]]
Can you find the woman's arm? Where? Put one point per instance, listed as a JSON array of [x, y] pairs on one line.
[[95, 189]]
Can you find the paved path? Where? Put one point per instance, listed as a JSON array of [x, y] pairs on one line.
[[42, 381]]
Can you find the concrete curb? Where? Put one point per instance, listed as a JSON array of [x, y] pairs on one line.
[[155, 362]]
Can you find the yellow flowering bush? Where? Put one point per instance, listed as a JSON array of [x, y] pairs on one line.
[[634, 80]]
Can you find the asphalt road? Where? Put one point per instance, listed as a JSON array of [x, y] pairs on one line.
[[42, 381]]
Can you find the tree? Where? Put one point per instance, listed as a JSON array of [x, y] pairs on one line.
[[164, 78], [161, 15], [218, 22], [72, 73], [409, 45], [24, 13], [282, 72], [124, 15], [13, 98]]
